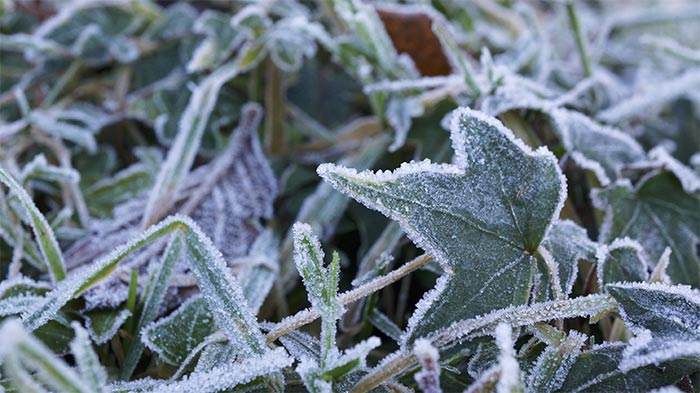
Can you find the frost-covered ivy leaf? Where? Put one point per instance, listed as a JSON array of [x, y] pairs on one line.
[[174, 337], [554, 363], [665, 320], [103, 324], [688, 178], [657, 213], [569, 243], [219, 42], [598, 370], [89, 366], [482, 218], [291, 39], [622, 260], [603, 150]]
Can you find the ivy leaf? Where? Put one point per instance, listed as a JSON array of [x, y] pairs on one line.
[[175, 336], [665, 320], [481, 218], [622, 260], [601, 149], [657, 213], [568, 243], [597, 370], [103, 324]]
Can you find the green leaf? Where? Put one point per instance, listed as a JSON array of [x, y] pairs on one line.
[[569, 243], [219, 42], [598, 148], [230, 375], [173, 338], [481, 218], [665, 320], [45, 238], [597, 370], [222, 291], [652, 96], [321, 285], [657, 213], [621, 261], [103, 324]]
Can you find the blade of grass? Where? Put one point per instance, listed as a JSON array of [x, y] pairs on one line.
[[151, 299], [46, 239], [186, 144], [16, 343]]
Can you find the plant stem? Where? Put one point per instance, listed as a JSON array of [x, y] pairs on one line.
[[62, 82], [580, 44], [274, 108], [309, 315]]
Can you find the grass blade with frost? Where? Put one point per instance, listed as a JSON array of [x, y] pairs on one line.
[[152, 297], [53, 258], [33, 355], [184, 149], [89, 366]]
